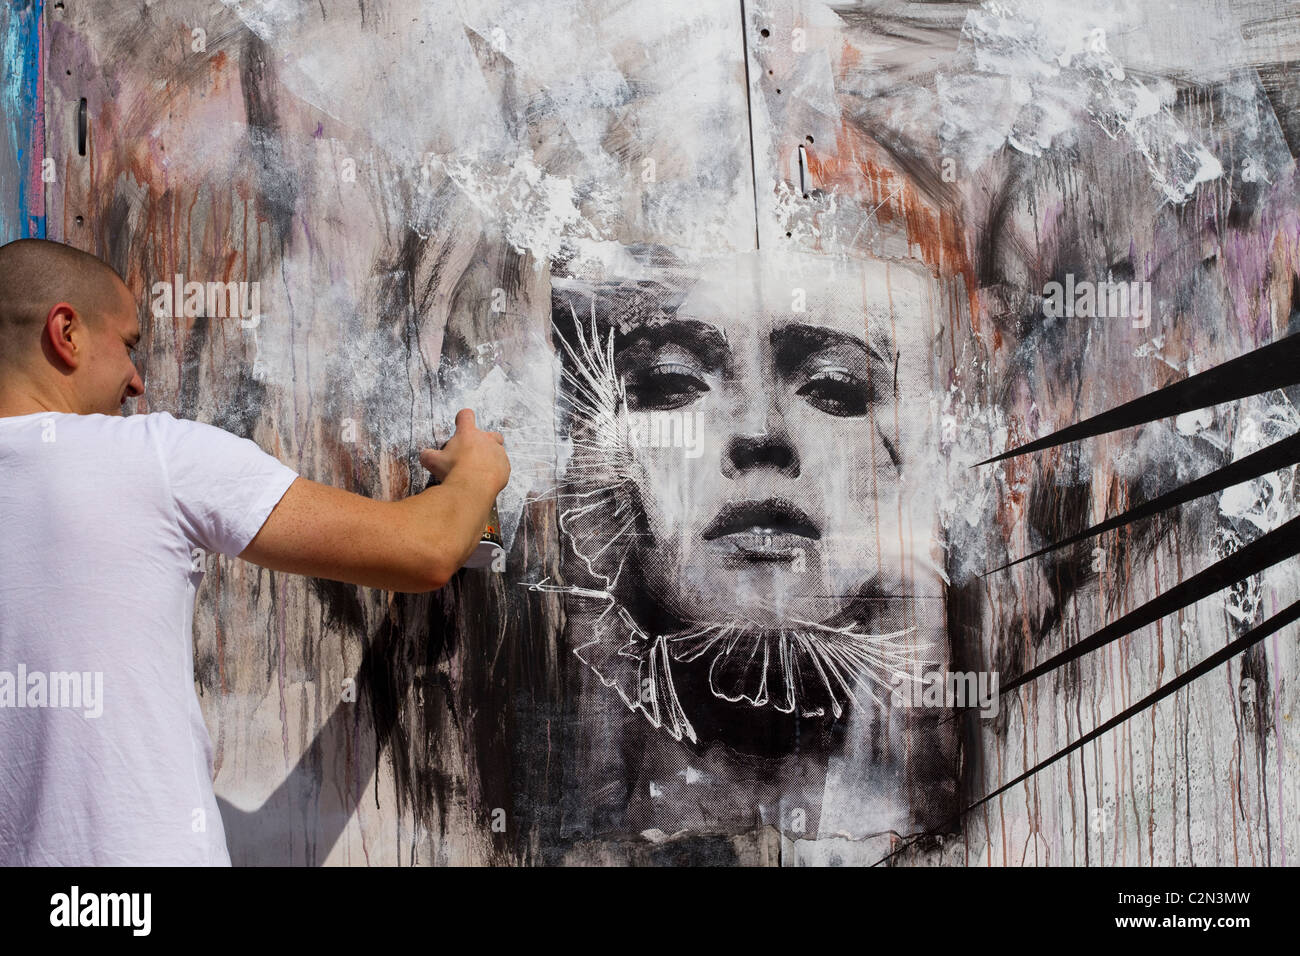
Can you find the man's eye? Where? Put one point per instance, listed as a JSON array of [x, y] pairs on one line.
[[837, 393], [664, 386]]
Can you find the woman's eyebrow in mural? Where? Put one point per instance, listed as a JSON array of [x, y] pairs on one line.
[[795, 343], [707, 342]]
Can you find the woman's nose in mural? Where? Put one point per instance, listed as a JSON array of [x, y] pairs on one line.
[[760, 439], [770, 450]]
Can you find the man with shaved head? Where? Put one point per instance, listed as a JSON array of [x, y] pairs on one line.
[[36, 278], [104, 519]]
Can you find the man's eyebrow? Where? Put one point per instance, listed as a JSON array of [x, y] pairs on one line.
[[705, 340], [803, 340]]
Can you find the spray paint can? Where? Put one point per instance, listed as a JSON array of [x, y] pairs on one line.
[[489, 545]]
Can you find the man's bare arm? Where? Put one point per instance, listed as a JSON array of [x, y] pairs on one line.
[[414, 545]]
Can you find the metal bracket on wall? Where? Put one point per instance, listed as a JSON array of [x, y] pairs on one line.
[[81, 127]]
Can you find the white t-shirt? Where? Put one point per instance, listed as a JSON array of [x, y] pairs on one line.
[[106, 524]]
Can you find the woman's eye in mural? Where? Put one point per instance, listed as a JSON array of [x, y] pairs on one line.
[[837, 391], [665, 386]]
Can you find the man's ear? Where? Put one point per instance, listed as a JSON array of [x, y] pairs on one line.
[[66, 332]]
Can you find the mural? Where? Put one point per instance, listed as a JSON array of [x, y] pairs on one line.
[[786, 312]]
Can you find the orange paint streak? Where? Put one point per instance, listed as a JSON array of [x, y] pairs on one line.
[[862, 170]]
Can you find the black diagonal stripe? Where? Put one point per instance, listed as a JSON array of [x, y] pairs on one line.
[[1278, 544], [1282, 454], [1230, 650], [1272, 366]]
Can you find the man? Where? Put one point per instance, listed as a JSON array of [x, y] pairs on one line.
[[104, 756]]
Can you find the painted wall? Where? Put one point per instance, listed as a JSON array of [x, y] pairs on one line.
[[821, 240], [22, 194]]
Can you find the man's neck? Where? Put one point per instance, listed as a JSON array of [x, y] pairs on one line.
[[26, 403]]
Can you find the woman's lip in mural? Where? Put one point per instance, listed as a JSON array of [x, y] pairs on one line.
[[763, 544], [774, 520]]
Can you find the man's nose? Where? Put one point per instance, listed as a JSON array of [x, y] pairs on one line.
[[136, 388]]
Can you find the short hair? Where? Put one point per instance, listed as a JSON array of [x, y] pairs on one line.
[[37, 273]]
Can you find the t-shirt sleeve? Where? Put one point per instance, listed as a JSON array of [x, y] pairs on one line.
[[224, 486]]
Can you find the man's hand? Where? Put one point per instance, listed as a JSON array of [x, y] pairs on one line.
[[471, 453]]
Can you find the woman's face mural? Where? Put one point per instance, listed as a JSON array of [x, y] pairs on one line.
[[800, 394], [765, 430]]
